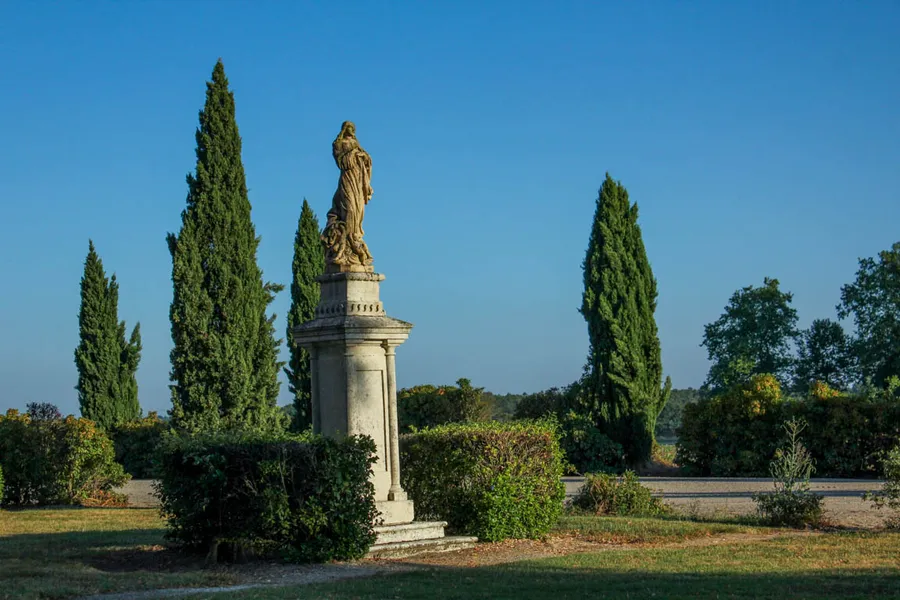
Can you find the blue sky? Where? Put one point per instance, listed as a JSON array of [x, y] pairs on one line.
[[759, 139]]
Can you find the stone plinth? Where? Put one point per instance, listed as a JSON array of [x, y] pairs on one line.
[[354, 385]]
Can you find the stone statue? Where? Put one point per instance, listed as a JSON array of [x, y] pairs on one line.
[[345, 249]]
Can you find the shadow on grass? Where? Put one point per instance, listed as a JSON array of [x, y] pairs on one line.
[[115, 551], [528, 581]]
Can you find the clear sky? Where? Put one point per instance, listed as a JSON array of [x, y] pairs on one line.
[[759, 138]]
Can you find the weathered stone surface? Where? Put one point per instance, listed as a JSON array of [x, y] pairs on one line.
[[345, 250], [415, 547], [407, 532]]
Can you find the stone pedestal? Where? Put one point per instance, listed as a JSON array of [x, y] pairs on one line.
[[354, 383], [351, 345]]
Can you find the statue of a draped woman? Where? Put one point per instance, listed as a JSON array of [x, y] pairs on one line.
[[345, 249]]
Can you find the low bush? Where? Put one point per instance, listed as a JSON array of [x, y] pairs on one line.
[[889, 495], [492, 480], [607, 494], [308, 497], [1, 486], [56, 461], [792, 503], [137, 443], [736, 433]]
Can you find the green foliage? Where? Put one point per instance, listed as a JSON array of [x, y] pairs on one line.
[[624, 388], [587, 448], [889, 495], [606, 494], [225, 356], [823, 355], [541, 404], [792, 503], [873, 300], [1, 486], [751, 337], [136, 444], [669, 419], [56, 461], [428, 406], [308, 496], [735, 433], [106, 361], [492, 480], [501, 407], [309, 263]]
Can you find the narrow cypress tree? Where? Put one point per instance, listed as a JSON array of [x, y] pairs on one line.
[[225, 359], [106, 361], [309, 263], [624, 371]]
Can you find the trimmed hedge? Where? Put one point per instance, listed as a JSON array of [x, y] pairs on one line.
[[308, 497], [57, 461], [738, 432], [137, 443], [492, 480]]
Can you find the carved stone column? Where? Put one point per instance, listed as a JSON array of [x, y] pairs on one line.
[[396, 491]]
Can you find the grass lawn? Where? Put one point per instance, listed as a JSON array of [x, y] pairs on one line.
[[63, 553], [837, 565], [631, 530]]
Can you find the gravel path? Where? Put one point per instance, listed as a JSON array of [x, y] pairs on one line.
[[706, 496], [710, 496]]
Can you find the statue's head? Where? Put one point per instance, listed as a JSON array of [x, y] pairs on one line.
[[348, 129]]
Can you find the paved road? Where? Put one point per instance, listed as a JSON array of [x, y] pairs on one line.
[[733, 496], [700, 495]]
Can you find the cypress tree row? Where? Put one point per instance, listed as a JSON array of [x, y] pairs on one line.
[[225, 359], [106, 361], [624, 372], [309, 263]]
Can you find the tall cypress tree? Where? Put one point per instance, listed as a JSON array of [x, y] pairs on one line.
[[309, 263], [225, 359], [624, 372], [106, 361]]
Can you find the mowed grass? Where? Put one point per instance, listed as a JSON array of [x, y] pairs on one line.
[[634, 530], [836, 565], [64, 553]]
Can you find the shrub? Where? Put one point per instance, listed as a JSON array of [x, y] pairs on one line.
[[1, 486], [606, 494], [56, 461], [491, 480], [736, 433], [137, 443], [428, 406], [309, 497], [588, 449], [791, 503], [889, 495]]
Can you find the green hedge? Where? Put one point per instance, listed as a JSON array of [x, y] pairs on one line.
[[308, 497], [492, 480], [57, 461], [137, 443], [737, 433]]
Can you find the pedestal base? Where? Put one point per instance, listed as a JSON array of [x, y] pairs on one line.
[[396, 541], [394, 512]]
